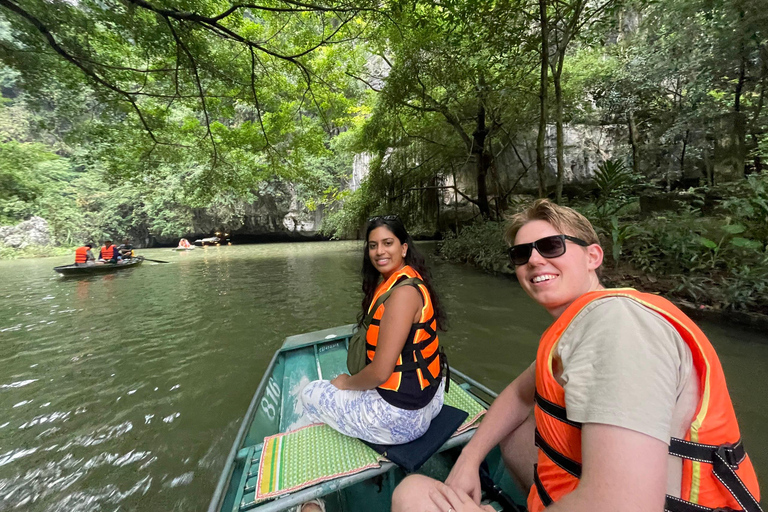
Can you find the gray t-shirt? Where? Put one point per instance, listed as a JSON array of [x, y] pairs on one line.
[[625, 365]]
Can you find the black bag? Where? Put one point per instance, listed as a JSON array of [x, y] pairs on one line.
[[356, 360]]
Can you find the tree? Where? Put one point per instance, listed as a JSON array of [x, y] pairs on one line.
[[238, 92], [568, 20], [455, 66]]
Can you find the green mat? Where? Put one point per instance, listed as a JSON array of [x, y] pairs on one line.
[[294, 460], [457, 397]]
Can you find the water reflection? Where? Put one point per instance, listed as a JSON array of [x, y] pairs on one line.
[[125, 391]]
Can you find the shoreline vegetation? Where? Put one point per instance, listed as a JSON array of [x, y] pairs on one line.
[[35, 251], [703, 262]]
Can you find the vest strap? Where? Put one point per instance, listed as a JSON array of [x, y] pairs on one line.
[[544, 496], [732, 454], [728, 477], [673, 504], [566, 464], [554, 410], [725, 459]]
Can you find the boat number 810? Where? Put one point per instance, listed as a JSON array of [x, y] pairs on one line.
[[271, 399]]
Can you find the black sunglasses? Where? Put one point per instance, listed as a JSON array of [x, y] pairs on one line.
[[383, 217], [549, 247]]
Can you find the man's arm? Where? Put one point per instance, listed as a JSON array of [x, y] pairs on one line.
[[621, 470], [508, 411]]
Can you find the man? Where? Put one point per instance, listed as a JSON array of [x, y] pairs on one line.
[[125, 250], [631, 411], [84, 256], [108, 252]]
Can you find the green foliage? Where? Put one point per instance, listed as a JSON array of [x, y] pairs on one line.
[[714, 259], [614, 184], [346, 222], [748, 202], [145, 92], [481, 244], [620, 233], [34, 251]]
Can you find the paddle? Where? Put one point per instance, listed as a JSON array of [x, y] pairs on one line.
[[156, 261]]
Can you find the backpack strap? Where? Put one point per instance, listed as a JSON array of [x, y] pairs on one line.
[[412, 281]]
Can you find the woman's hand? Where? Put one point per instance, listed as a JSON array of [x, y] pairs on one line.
[[340, 380], [450, 500], [465, 477]]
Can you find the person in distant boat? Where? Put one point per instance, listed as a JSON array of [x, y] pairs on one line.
[[400, 389], [125, 250], [84, 255], [624, 409], [184, 244], [109, 253]]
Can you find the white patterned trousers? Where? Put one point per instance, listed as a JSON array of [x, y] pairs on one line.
[[367, 416]]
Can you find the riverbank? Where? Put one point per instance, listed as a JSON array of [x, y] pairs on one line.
[[702, 295], [34, 251]]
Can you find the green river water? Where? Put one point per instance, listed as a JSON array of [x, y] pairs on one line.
[[125, 391]]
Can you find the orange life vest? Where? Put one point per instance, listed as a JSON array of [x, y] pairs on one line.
[[107, 253], [420, 352], [81, 254], [717, 473]]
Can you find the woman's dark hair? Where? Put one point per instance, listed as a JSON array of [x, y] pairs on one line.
[[413, 258]]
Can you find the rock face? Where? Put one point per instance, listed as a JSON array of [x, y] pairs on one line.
[[30, 232], [273, 215], [585, 147]]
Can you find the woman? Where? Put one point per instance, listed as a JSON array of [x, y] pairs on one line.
[[394, 398]]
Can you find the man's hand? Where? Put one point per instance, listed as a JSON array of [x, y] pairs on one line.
[[452, 500], [340, 380], [465, 477]]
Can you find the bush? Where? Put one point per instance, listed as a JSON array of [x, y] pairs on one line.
[[35, 251], [481, 244]]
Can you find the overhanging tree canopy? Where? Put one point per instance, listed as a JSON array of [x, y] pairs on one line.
[[235, 92]]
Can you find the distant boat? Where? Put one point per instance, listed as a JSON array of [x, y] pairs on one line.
[[77, 270], [211, 240], [273, 410], [190, 248]]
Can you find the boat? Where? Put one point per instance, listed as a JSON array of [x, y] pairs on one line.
[[82, 270], [322, 354], [211, 240], [190, 248]]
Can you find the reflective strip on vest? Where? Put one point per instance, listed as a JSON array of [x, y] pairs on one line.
[[420, 352], [717, 472]]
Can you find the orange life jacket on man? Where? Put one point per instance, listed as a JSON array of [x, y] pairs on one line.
[[81, 254], [107, 253], [404, 387], [717, 473]]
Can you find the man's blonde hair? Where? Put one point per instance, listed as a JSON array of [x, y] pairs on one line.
[[566, 220]]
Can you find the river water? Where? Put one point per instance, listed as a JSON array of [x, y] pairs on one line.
[[125, 391]]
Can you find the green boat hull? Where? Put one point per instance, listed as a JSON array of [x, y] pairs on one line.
[[316, 355]]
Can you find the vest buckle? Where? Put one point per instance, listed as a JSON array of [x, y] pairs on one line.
[[727, 453]]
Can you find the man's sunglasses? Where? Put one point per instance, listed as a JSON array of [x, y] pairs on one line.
[[383, 217], [549, 247]]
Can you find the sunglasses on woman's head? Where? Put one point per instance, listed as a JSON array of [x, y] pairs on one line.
[[549, 247], [383, 217]]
